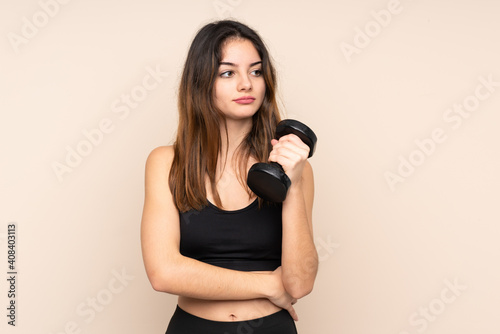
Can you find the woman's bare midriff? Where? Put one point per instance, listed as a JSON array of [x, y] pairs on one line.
[[228, 310]]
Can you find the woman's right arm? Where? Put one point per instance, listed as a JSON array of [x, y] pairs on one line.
[[171, 272]]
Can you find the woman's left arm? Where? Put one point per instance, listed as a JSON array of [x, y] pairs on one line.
[[299, 259]]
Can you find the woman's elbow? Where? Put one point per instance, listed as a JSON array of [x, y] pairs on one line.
[[161, 282], [299, 285], [157, 284], [299, 291]]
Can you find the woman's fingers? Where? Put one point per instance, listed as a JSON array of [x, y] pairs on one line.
[[285, 159], [290, 143], [295, 140], [282, 298], [291, 153], [292, 312], [289, 150]]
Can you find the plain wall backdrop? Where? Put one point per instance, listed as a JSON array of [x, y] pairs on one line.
[[403, 95]]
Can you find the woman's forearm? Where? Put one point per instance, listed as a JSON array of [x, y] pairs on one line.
[[299, 255], [184, 276]]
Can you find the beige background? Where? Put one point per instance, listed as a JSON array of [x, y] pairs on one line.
[[388, 256]]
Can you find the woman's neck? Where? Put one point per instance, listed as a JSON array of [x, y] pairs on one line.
[[236, 132]]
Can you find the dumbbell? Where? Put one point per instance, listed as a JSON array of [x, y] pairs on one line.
[[268, 180]]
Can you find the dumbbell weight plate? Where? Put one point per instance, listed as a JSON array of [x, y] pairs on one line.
[[268, 181]]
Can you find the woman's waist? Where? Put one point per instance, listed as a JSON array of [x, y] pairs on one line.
[[228, 310]]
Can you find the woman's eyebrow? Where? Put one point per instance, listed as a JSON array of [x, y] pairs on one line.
[[233, 64]]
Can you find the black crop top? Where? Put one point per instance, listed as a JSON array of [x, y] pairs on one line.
[[248, 239]]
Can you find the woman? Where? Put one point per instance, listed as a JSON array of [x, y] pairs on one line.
[[237, 263]]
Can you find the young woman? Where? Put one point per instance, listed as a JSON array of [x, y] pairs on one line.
[[237, 263]]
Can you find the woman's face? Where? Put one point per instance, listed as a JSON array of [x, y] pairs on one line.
[[239, 86]]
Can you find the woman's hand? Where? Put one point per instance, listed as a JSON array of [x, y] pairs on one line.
[[291, 153], [280, 297]]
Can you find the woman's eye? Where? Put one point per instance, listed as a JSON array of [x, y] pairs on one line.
[[257, 73], [226, 74]]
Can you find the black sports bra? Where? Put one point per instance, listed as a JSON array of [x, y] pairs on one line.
[[247, 239]]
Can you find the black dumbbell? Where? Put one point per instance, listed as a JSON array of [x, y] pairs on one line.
[[268, 180]]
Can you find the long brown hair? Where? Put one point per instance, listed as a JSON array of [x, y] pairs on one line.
[[198, 140]]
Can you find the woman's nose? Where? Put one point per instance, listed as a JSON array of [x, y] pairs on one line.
[[244, 83]]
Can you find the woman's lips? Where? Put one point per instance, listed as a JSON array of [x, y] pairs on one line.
[[245, 100]]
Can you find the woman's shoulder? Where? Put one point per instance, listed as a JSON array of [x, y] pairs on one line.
[[162, 152], [160, 157]]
